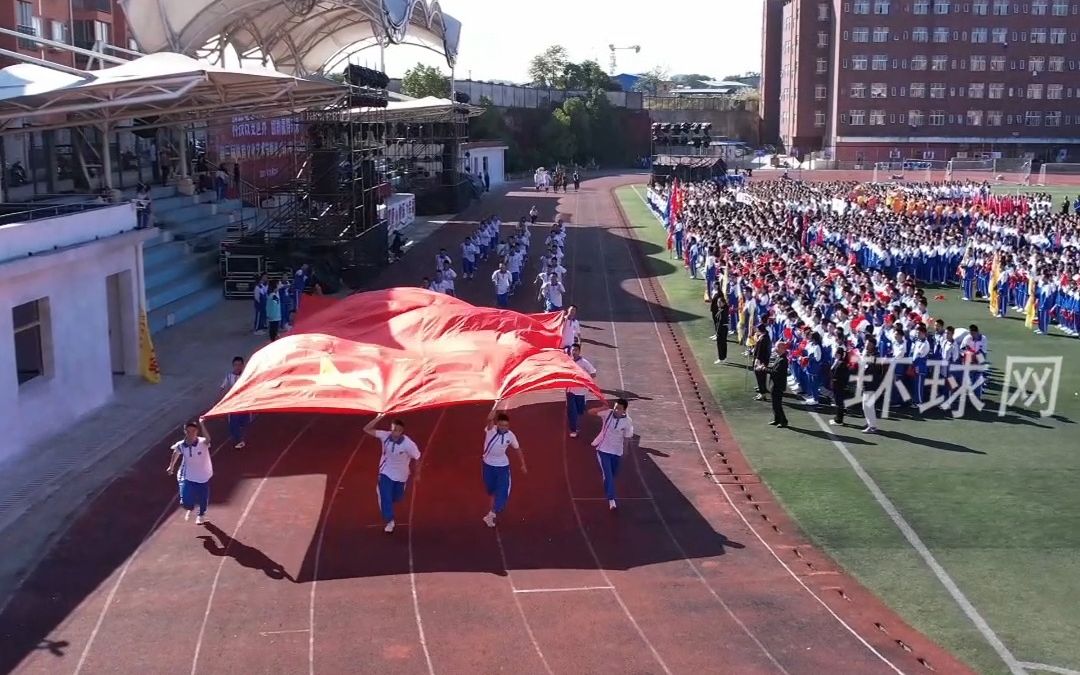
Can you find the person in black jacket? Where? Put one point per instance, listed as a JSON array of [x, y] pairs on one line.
[[839, 377], [777, 371], [762, 353], [721, 313]]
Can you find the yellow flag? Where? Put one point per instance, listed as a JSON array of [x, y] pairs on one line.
[[1029, 308], [995, 274], [148, 363]]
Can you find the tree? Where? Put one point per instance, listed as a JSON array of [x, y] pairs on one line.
[[586, 76], [652, 81], [547, 68], [422, 80], [691, 80]]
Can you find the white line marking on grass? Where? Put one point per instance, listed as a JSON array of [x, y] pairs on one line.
[[912, 537], [236, 531], [1049, 669], [723, 488]]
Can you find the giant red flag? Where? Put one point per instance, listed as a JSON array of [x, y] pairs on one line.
[[404, 349]]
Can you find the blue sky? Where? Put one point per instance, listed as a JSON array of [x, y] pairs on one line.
[[499, 37]]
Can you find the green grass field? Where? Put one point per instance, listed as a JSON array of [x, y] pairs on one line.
[[995, 500]]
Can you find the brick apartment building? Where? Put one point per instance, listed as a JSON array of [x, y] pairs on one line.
[[81, 23], [874, 80]]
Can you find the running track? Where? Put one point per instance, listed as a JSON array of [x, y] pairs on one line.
[[698, 572]]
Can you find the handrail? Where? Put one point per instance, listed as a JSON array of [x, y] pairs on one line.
[[45, 212]]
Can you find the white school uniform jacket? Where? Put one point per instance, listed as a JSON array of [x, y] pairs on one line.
[[590, 370], [394, 463], [502, 281], [496, 444], [196, 465], [571, 330], [613, 434]]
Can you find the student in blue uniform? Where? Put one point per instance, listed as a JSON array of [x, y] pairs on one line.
[[498, 440], [398, 452]]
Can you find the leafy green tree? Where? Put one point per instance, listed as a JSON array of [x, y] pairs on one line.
[[423, 80], [652, 81], [547, 68], [586, 76]]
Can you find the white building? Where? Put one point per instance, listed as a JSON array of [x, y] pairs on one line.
[[70, 290], [480, 157]]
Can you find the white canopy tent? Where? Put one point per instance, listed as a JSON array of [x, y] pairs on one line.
[[415, 110], [300, 37]]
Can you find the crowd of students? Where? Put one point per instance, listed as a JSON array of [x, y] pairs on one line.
[[838, 273]]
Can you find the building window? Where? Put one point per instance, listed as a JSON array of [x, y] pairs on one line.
[[822, 39], [937, 118], [1038, 7], [862, 6], [915, 118], [823, 11], [993, 118], [58, 32], [927, 155], [881, 34], [917, 90], [877, 118], [29, 321], [822, 66], [819, 92], [881, 7], [977, 64], [999, 36], [881, 62], [1038, 36], [975, 118], [1001, 7], [858, 90], [941, 6], [997, 64], [920, 34], [921, 7], [1057, 36], [1037, 64], [1057, 64], [27, 24], [1053, 119], [918, 62], [937, 90], [1054, 92], [879, 90], [997, 90], [976, 90], [857, 117], [860, 62], [979, 35], [941, 35], [1061, 8], [1032, 118], [940, 63], [1035, 91], [980, 8], [860, 35], [819, 119]]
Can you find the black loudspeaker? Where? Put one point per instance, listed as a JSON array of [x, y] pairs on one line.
[[450, 163], [369, 207], [324, 172]]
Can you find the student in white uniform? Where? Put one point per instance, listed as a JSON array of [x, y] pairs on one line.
[[610, 444], [238, 422], [502, 280], [552, 293], [498, 440], [398, 451], [571, 328], [575, 396], [196, 469]]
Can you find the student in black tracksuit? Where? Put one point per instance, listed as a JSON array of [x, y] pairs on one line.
[[778, 373], [721, 313], [839, 377], [762, 354]]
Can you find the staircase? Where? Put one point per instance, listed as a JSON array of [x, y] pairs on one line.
[[181, 264]]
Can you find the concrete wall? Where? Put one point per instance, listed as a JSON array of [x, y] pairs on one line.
[[496, 163], [78, 350]]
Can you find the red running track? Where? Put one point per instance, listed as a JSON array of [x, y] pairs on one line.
[[294, 574]]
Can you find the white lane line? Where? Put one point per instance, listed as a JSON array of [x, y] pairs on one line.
[[319, 549], [1047, 668], [712, 472], [521, 610], [648, 490], [412, 562], [232, 537], [621, 499], [572, 589], [916, 543], [169, 507], [581, 523], [267, 633]]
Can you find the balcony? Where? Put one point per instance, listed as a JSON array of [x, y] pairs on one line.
[[29, 45], [104, 6]]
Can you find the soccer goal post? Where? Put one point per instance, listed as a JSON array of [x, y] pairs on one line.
[[977, 170], [1059, 173], [911, 171]]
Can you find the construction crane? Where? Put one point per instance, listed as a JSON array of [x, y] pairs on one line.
[[612, 63]]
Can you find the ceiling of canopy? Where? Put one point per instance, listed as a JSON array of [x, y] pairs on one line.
[[300, 37]]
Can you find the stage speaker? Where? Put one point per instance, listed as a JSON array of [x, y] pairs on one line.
[[370, 195], [450, 155], [324, 172]]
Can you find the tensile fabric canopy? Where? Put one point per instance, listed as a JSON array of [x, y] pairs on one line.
[[401, 350]]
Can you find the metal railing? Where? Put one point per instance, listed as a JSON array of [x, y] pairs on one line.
[[22, 213]]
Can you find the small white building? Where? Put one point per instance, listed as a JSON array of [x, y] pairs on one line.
[[485, 157], [71, 287]]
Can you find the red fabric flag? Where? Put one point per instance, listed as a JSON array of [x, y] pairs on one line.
[[404, 349]]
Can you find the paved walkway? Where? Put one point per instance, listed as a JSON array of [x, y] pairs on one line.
[[44, 487]]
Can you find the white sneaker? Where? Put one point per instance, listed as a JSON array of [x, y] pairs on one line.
[[870, 430], [573, 434], [389, 527], [718, 362], [187, 515], [611, 505], [834, 423], [489, 520], [199, 520], [240, 445], [713, 338]]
